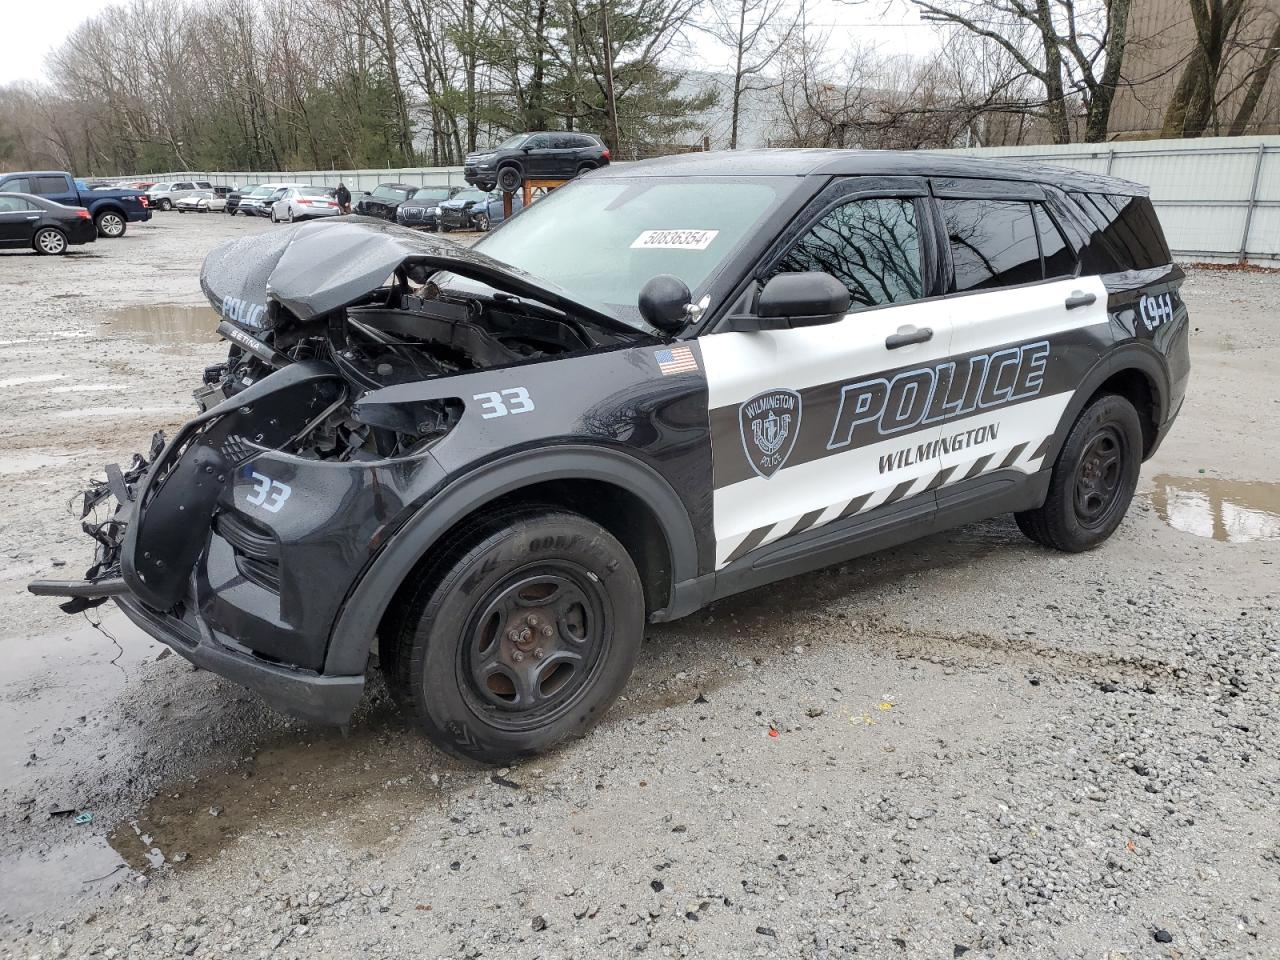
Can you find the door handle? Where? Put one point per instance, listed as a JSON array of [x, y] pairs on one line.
[[1078, 299], [906, 335]]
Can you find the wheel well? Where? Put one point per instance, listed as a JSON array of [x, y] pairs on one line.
[[1137, 388], [615, 508], [107, 209]]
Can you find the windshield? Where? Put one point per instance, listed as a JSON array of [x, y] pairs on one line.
[[263, 192], [431, 193], [602, 241], [313, 192], [387, 192], [471, 196], [512, 142]]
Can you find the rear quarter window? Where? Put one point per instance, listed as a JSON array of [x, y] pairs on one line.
[[1126, 233]]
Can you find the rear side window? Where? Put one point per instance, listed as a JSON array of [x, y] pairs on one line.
[[1126, 233], [993, 243], [15, 205], [871, 246], [50, 185], [16, 185]]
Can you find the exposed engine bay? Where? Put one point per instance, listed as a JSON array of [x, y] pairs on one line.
[[427, 322]]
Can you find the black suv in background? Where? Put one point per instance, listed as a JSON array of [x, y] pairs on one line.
[[385, 200], [543, 155], [235, 196]]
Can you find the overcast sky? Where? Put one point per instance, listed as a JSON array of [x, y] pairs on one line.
[[889, 24]]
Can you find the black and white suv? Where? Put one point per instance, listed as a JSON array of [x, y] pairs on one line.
[[658, 386], [542, 155]]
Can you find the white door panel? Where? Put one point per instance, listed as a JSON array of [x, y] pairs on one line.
[[823, 482]]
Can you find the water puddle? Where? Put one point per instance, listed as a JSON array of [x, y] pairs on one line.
[[1230, 511], [164, 324]]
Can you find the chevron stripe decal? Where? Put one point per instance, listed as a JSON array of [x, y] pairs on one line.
[[1015, 457]]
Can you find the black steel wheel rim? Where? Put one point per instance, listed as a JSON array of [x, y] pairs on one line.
[[533, 645], [1100, 476]]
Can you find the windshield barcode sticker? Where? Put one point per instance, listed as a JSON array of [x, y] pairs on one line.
[[674, 240]]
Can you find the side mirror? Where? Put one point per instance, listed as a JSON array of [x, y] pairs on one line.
[[791, 300], [662, 303]]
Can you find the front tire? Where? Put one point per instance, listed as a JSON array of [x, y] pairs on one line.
[[521, 637], [509, 179], [166, 204], [111, 224], [482, 222], [1093, 479]]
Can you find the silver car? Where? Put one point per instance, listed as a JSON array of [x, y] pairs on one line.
[[162, 196], [303, 203]]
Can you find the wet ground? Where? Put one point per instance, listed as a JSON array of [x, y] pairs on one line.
[[970, 662]]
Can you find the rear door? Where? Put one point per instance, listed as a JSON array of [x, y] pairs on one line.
[[1026, 326], [56, 187], [818, 425], [18, 219]]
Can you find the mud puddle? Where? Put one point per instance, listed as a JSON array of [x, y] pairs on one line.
[[1230, 511], [164, 324]]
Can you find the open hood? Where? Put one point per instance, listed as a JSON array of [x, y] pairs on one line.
[[315, 268]]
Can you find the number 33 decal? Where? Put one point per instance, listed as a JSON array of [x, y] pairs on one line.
[[512, 400], [268, 494]]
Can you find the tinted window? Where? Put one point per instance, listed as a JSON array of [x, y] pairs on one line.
[[585, 142], [17, 185], [871, 246], [1059, 258], [1127, 234], [993, 243], [203, 184], [50, 185]]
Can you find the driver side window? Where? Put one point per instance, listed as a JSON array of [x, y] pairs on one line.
[[872, 246]]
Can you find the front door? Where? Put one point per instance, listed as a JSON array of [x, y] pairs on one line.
[[816, 425]]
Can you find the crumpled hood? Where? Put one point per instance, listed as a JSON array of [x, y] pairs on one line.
[[315, 268]]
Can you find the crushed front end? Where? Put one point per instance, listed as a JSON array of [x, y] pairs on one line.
[[238, 541]]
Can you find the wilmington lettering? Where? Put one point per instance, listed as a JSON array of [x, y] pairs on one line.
[[784, 402], [909, 456]]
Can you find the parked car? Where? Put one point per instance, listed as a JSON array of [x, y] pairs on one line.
[[234, 197], [489, 213], [257, 203], [661, 385], [304, 203], [423, 208], [455, 213], [384, 200], [43, 225], [201, 201], [112, 210], [162, 196], [542, 155]]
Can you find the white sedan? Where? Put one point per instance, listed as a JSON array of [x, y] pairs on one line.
[[302, 203], [202, 202]]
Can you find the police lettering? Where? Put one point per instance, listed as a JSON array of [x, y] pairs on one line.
[[928, 395]]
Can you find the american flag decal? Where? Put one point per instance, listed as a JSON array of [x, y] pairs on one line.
[[675, 360]]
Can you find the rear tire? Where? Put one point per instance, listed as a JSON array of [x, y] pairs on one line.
[[49, 241], [521, 636], [1093, 479], [111, 224]]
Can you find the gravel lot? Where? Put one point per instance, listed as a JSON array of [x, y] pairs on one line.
[[969, 746]]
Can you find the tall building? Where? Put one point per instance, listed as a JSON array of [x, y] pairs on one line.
[[1161, 40]]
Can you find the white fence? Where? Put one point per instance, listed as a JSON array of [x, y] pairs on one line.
[[1218, 198]]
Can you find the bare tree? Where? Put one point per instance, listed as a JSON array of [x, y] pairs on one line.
[[755, 32]]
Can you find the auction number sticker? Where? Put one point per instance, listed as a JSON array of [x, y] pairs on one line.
[[674, 240]]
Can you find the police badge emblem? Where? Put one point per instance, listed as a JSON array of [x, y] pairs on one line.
[[770, 422]]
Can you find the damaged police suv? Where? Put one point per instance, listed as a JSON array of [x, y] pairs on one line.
[[665, 383]]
